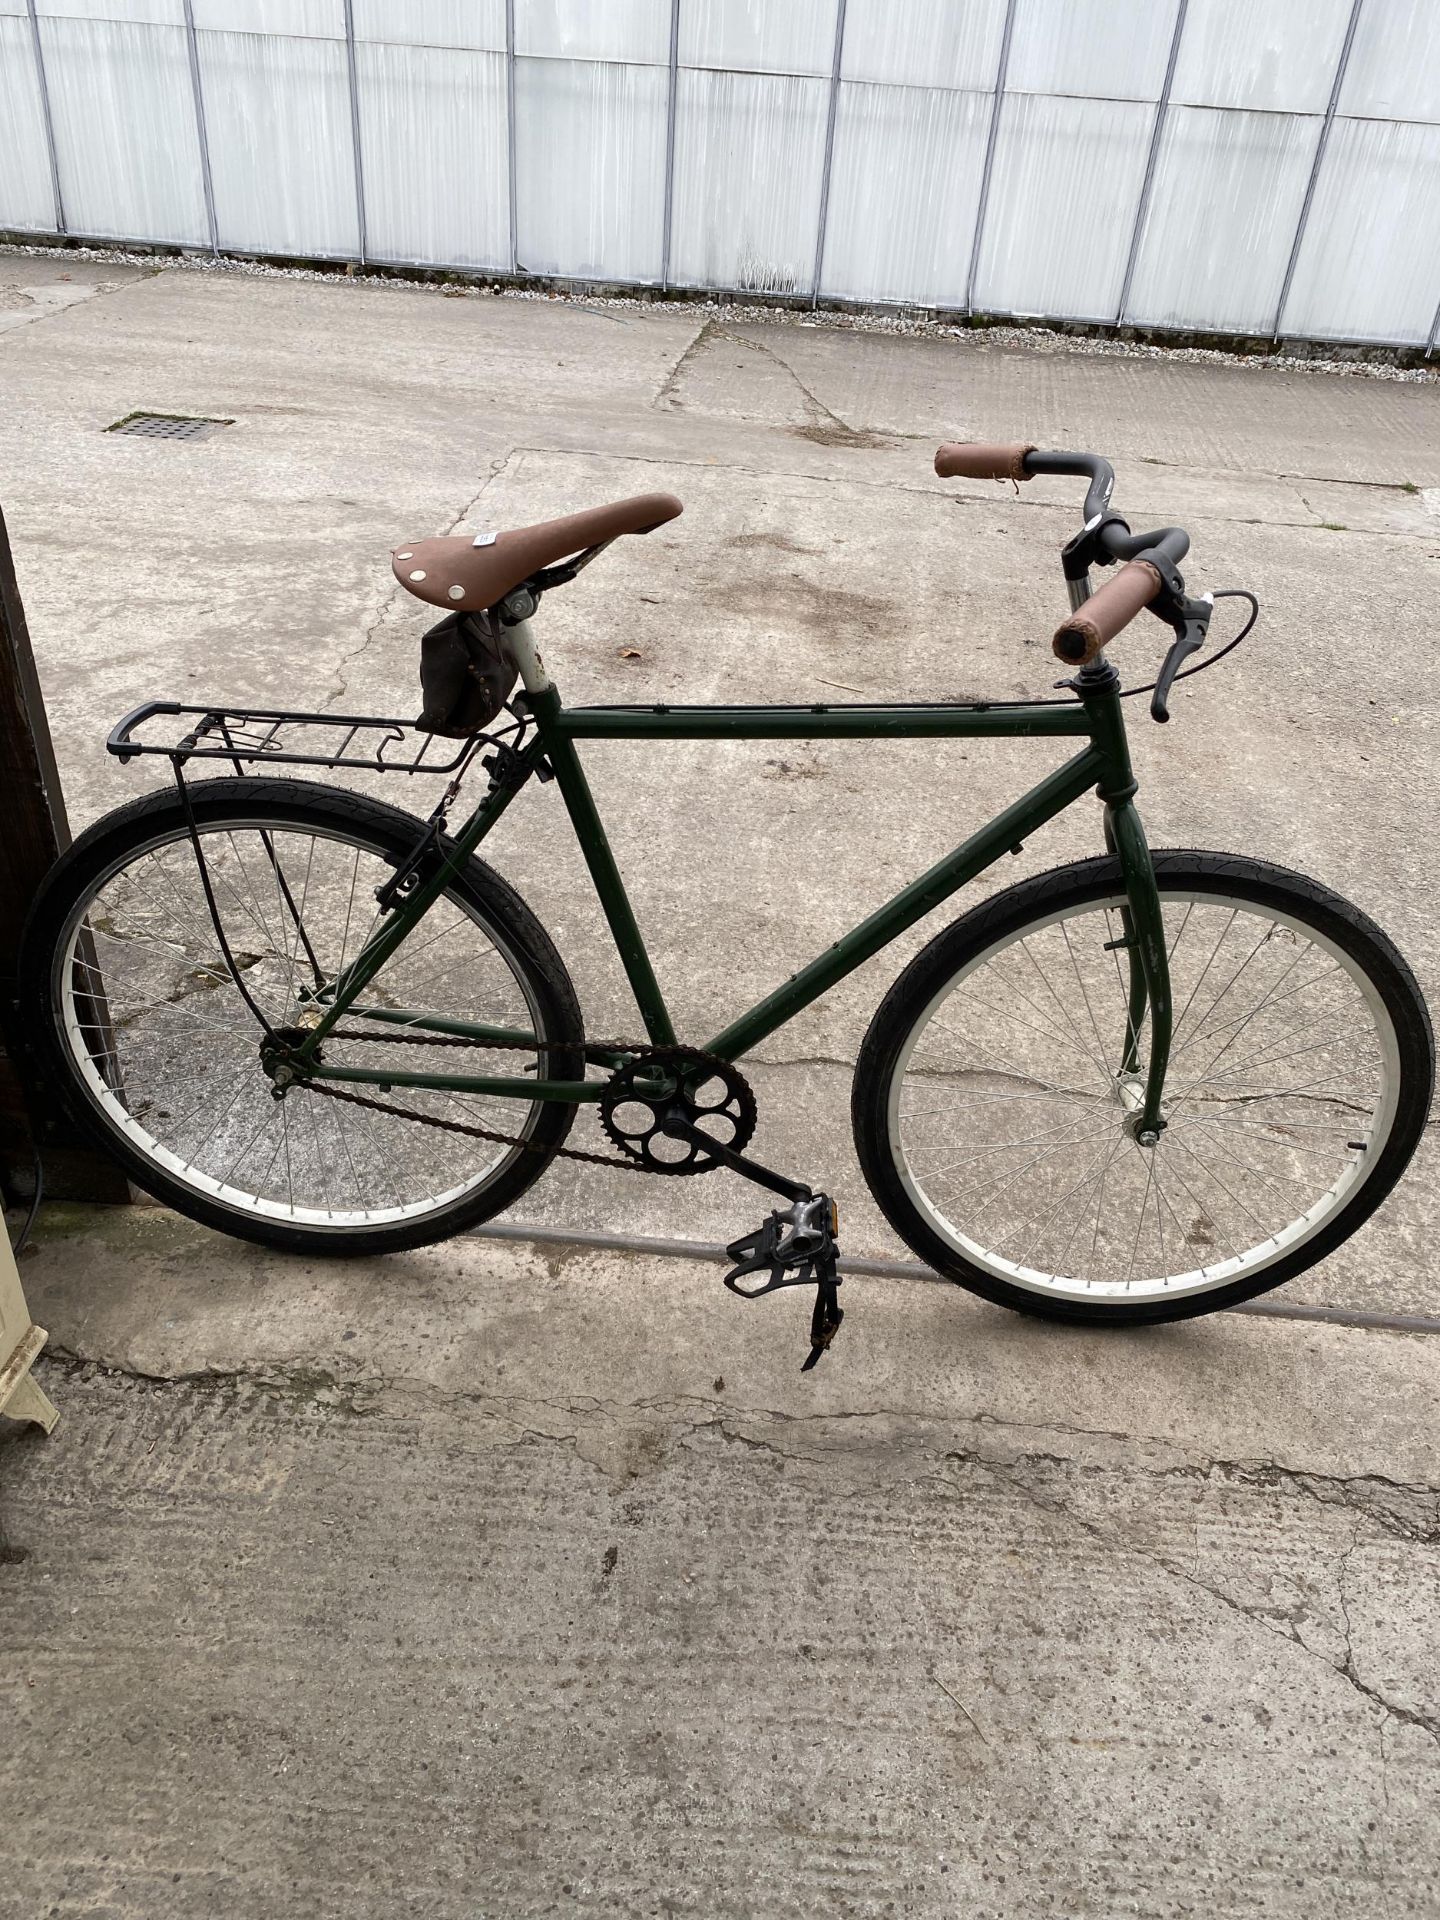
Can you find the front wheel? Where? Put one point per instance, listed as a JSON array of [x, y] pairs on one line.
[[994, 1100], [166, 1068]]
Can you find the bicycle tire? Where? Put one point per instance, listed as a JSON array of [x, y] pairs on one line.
[[381, 835], [1336, 930]]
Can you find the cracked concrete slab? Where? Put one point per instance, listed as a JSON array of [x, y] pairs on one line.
[[34, 289], [544, 1583]]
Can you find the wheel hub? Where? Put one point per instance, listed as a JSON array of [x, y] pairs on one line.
[[277, 1058]]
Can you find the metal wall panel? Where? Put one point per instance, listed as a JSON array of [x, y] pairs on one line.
[[433, 140], [635, 30], [904, 192], [1104, 49], [476, 24], [1394, 68], [1047, 247], [1237, 186], [105, 82], [307, 19], [924, 43], [1369, 265], [748, 155], [281, 154], [159, 13], [590, 168], [1276, 57], [1226, 200], [26, 199], [756, 36]]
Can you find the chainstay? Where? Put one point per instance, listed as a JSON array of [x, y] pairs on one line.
[[474, 1133], [408, 1036]]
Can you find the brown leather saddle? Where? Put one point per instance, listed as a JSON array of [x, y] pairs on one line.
[[470, 573]]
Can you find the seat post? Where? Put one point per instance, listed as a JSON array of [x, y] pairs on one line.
[[520, 644]]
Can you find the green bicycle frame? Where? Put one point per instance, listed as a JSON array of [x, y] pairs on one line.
[[1102, 764]]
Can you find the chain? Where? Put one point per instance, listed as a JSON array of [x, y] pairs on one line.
[[332, 1092], [475, 1133]]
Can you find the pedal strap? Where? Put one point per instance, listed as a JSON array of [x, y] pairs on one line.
[[825, 1320]]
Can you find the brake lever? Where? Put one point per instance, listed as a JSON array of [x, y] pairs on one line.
[[1189, 638]]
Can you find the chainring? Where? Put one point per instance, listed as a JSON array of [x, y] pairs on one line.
[[662, 1084]]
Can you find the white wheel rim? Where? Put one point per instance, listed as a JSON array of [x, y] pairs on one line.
[[116, 1115], [1243, 1264]]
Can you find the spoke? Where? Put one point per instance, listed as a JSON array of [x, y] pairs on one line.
[[1106, 1150], [1007, 1180], [1140, 1223], [350, 1157], [1178, 1023], [1024, 944], [282, 886], [1079, 981], [1272, 999], [1210, 1174], [1269, 1135], [1163, 1200], [254, 911], [997, 1099], [464, 920], [1082, 1213], [1257, 1009], [1263, 941], [239, 1159], [1248, 1166], [217, 1123], [349, 910], [1203, 1212], [1179, 936], [1040, 1139], [974, 1046], [1047, 1030], [1254, 1065]]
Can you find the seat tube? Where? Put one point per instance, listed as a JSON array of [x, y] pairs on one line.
[[543, 702], [1142, 919]]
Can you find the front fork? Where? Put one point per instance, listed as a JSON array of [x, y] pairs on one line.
[[1142, 921], [1143, 940]]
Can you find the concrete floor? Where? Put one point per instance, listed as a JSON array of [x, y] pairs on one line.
[[513, 1580]]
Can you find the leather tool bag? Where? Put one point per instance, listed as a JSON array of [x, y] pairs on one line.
[[465, 678]]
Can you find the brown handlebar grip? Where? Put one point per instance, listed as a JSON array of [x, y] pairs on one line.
[[978, 460], [1094, 624]]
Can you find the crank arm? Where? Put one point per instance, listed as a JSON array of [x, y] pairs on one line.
[[737, 1163]]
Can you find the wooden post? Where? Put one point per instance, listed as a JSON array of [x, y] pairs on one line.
[[33, 831]]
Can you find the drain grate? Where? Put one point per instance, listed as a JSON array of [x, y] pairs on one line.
[[167, 426]]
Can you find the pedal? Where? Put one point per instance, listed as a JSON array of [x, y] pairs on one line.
[[797, 1247]]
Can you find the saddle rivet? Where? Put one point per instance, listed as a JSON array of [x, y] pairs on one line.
[[405, 556], [419, 574], [457, 593]]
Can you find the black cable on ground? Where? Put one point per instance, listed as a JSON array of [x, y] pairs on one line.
[[17, 1246]]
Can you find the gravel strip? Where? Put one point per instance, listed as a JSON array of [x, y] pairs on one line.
[[1034, 339]]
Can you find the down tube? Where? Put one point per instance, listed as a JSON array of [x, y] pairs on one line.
[[981, 850]]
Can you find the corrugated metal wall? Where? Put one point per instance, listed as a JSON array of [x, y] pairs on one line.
[[1245, 166]]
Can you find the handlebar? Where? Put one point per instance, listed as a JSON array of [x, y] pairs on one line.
[[1149, 573]]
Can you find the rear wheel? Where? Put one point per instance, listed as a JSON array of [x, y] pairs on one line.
[[993, 1105], [170, 1079]]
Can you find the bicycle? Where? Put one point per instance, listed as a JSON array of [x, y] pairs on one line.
[[1135, 1088]]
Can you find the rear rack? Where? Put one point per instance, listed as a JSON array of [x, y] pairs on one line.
[[280, 738]]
